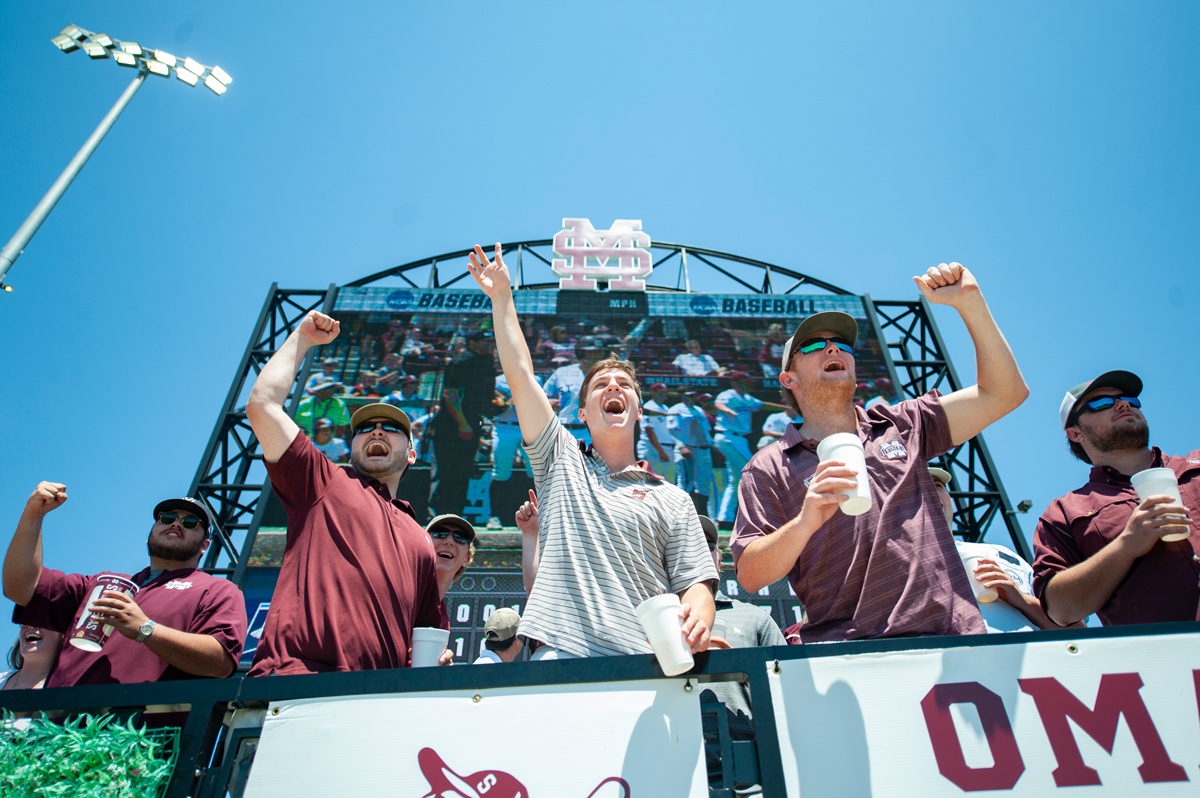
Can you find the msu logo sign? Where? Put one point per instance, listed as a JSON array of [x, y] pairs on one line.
[[584, 254], [445, 783]]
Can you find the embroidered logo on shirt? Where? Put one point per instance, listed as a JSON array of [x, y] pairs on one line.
[[175, 584], [893, 450], [639, 494], [1193, 460], [808, 480]]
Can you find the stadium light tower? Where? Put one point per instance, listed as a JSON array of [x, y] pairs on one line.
[[146, 61]]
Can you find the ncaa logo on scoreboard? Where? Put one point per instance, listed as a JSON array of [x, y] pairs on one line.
[[619, 255]]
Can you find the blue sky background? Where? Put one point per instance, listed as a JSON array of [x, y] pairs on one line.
[[1049, 147]]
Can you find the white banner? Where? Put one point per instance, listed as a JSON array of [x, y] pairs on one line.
[[1116, 716], [620, 740]]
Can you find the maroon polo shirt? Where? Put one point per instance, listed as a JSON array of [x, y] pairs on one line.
[[358, 572], [892, 571], [1163, 585], [187, 599]]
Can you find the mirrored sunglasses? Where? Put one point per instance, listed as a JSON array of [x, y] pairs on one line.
[[817, 344], [1103, 403], [442, 534]]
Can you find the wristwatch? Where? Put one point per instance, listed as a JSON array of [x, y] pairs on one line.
[[144, 631]]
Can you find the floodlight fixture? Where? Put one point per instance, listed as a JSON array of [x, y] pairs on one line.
[[147, 61], [65, 43]]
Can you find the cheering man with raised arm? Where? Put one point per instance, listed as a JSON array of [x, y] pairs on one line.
[[358, 571], [611, 533], [183, 623], [892, 571]]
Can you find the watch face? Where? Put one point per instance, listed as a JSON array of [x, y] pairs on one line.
[[146, 628]]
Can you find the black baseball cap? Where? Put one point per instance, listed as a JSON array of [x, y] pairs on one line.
[[1128, 383], [196, 508]]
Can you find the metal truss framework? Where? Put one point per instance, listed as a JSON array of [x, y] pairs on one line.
[[231, 477]]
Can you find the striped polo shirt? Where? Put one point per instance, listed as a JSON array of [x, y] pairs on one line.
[[607, 542]]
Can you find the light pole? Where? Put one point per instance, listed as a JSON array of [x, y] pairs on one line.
[[146, 61]]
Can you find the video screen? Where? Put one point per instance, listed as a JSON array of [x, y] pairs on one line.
[[430, 352]]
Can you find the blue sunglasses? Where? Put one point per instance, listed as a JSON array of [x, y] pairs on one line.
[[1102, 403], [817, 344]]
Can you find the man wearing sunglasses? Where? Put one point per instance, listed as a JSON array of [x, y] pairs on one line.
[[892, 571], [358, 572], [1099, 548], [181, 624]]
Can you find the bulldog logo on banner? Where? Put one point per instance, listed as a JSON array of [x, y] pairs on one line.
[[445, 783]]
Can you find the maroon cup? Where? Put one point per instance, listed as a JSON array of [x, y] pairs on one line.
[[90, 633]]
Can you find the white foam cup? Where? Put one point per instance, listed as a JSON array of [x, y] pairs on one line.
[[847, 448], [428, 643], [659, 617], [1159, 482], [982, 594]]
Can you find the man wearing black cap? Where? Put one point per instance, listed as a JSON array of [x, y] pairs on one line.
[[458, 428], [182, 623], [358, 571], [1099, 548], [893, 570]]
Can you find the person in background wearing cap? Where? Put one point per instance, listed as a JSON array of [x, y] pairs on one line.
[[454, 544], [358, 571], [882, 573], [775, 426], [333, 448], [611, 533], [324, 404], [407, 399], [656, 438], [501, 643], [1098, 549], [690, 428], [182, 624], [1015, 608], [458, 428], [735, 408], [368, 385], [562, 387], [329, 367]]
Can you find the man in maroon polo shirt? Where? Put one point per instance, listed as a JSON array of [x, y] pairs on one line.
[[358, 570], [894, 570], [181, 624], [1099, 548]]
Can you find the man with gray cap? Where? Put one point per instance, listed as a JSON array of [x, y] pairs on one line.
[[182, 623], [1099, 548], [358, 570], [500, 640], [893, 570]]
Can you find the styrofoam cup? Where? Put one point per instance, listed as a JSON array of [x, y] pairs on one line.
[[847, 448], [428, 643], [659, 617], [1159, 482], [982, 594]]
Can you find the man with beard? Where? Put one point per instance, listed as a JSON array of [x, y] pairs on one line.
[[1099, 548], [358, 570], [181, 624], [611, 533], [893, 570]]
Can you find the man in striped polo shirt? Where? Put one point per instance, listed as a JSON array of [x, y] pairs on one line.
[[611, 532]]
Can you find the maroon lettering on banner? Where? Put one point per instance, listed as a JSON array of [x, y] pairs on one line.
[[1118, 695], [947, 748]]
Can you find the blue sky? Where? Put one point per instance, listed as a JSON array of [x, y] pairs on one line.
[[1049, 147]]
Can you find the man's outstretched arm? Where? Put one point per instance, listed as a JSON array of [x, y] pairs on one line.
[[533, 408], [273, 427], [999, 387], [23, 562]]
